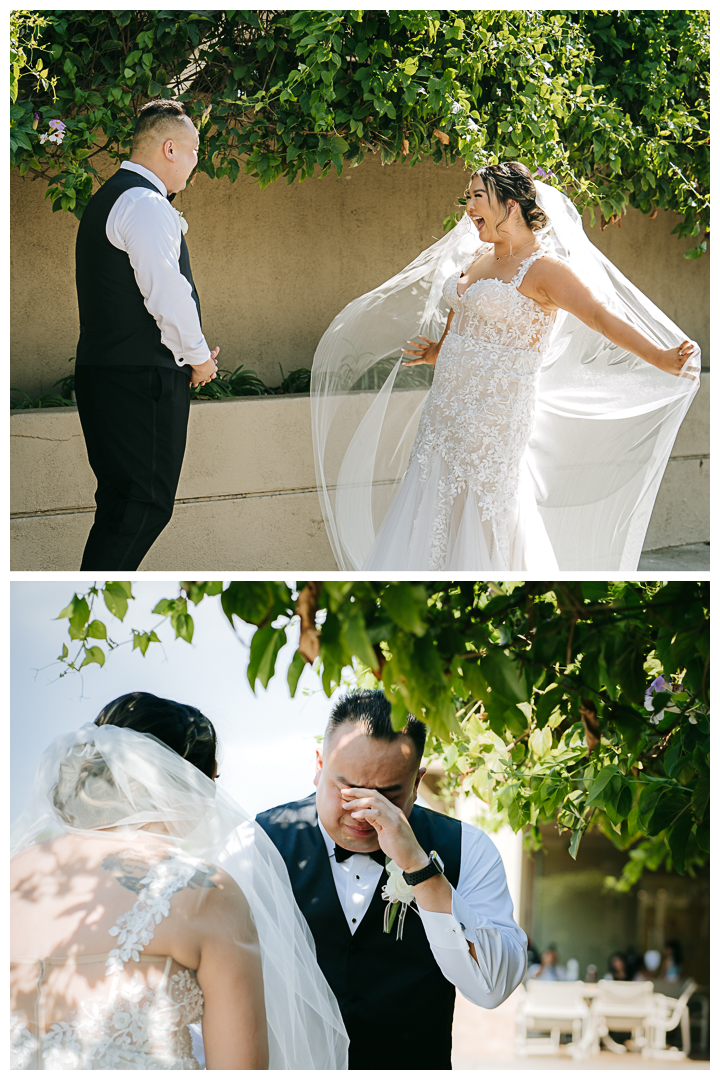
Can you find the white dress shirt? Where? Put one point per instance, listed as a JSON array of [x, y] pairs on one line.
[[143, 224], [482, 913]]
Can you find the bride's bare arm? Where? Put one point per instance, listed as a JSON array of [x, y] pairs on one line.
[[234, 1024], [552, 284], [428, 353]]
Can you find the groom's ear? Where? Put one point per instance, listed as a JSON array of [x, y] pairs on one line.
[[318, 765], [421, 772]]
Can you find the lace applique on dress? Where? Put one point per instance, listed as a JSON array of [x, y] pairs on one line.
[[139, 1028], [136, 929], [132, 1025], [479, 413]]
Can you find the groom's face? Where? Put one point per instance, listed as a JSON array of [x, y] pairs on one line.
[[350, 758]]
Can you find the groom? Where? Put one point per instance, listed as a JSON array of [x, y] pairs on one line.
[[141, 345], [396, 996]]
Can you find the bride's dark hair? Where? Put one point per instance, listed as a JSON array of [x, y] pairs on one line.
[[512, 180], [182, 728]]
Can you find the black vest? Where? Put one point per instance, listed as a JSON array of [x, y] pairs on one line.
[[115, 326], [396, 1003]]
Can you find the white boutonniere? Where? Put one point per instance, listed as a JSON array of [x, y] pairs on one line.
[[183, 222], [398, 894]]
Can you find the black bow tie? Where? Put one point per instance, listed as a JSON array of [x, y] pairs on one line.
[[341, 854]]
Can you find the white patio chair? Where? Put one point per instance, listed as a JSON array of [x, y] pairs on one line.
[[622, 1006], [668, 1013], [556, 1008]]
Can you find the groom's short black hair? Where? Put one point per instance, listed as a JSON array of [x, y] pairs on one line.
[[372, 709], [156, 114]]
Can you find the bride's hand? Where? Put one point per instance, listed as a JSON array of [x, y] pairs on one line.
[[672, 360], [422, 354]]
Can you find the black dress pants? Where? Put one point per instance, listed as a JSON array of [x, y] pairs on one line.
[[134, 420]]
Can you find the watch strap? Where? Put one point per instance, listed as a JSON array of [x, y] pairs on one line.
[[435, 866]]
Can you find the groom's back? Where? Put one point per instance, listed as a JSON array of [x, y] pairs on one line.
[[116, 327]]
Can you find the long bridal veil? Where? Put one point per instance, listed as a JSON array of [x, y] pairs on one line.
[[605, 420], [114, 778]]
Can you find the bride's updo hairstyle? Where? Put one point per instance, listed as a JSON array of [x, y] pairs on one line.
[[182, 728], [96, 792], [512, 180]]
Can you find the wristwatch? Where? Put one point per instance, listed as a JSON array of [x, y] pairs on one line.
[[435, 866]]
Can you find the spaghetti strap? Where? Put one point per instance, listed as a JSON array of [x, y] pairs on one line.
[[525, 266]]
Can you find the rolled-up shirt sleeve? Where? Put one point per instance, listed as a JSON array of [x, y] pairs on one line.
[[482, 913], [144, 225]]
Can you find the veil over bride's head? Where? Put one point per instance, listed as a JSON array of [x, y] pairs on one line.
[[107, 778]]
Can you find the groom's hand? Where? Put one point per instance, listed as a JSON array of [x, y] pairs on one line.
[[205, 372], [394, 834]]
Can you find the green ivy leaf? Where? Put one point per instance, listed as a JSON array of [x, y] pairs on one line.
[[116, 595], [701, 797], [297, 666], [667, 809], [575, 843], [355, 640], [677, 839], [264, 648], [406, 605], [600, 783], [505, 676], [94, 655]]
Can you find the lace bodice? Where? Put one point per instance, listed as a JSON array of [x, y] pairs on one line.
[[478, 417], [131, 1012], [496, 311]]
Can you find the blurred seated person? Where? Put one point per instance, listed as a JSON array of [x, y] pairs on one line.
[[617, 969], [548, 968], [671, 964], [650, 968]]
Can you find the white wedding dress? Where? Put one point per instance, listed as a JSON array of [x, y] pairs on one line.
[[466, 498], [540, 445], [133, 1009]]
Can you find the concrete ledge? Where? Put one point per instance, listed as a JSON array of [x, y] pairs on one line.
[[247, 498]]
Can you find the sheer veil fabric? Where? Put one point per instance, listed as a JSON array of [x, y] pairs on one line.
[[107, 777], [605, 420]]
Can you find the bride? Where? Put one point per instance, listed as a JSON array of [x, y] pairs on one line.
[[552, 412], [144, 900]]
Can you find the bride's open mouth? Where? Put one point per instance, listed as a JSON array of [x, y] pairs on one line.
[[477, 221]]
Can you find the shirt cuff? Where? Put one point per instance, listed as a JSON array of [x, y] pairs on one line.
[[443, 930], [196, 356]]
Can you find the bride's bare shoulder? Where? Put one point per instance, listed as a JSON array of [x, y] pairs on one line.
[[549, 269]]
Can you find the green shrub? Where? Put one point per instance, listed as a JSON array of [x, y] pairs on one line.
[[613, 105]]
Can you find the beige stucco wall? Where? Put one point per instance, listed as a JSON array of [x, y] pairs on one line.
[[273, 267], [247, 497]]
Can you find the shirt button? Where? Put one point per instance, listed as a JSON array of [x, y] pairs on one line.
[[357, 877], [354, 920]]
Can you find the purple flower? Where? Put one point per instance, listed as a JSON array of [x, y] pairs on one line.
[[659, 685], [58, 126], [544, 173]]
